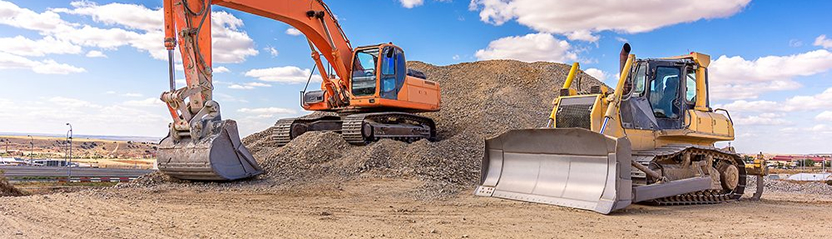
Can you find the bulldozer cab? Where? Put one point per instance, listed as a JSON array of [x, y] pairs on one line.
[[660, 93]]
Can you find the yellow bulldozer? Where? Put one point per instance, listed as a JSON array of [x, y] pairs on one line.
[[650, 140]]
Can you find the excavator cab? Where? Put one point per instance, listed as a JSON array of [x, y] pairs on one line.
[[380, 78], [379, 71]]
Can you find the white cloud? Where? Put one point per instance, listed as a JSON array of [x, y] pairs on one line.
[[598, 74], [762, 119], [228, 98], [272, 51], [231, 45], [599, 15], [823, 42], [750, 106], [284, 74], [12, 15], [52, 113], [528, 48], [293, 31], [455, 57], [621, 39], [132, 95], [822, 100], [23, 46], [130, 15], [269, 112], [248, 86], [96, 54], [810, 133], [824, 116], [411, 3], [818, 101], [142, 28], [71, 103], [795, 43], [221, 69], [582, 35], [9, 61], [738, 78], [148, 102]]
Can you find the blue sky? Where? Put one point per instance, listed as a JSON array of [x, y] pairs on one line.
[[99, 64]]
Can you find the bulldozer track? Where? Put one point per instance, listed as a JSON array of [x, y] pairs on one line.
[[353, 127], [710, 196]]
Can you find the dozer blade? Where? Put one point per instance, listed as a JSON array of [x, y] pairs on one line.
[[572, 167], [221, 156]]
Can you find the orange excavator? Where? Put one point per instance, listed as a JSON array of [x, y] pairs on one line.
[[372, 92]]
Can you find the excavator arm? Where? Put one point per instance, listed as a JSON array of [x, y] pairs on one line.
[[188, 25], [201, 145]]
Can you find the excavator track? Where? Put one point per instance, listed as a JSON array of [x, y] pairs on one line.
[[287, 129], [710, 196], [281, 131], [361, 129]]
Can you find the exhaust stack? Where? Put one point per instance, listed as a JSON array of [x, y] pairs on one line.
[[622, 57]]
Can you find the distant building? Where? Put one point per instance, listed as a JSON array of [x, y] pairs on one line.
[[793, 158], [12, 161], [52, 162], [811, 177]]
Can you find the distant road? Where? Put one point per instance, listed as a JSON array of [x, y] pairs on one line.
[[34, 171]]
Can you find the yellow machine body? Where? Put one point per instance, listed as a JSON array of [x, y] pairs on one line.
[[651, 139]]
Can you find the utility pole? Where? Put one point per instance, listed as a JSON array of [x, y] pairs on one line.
[[69, 166], [32, 143]]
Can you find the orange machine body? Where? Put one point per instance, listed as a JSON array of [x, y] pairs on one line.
[[392, 87], [314, 19]]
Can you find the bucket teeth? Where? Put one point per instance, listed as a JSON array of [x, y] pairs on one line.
[[217, 157]]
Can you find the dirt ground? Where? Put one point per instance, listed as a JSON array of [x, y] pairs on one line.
[[381, 208]]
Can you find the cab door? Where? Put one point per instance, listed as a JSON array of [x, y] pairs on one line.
[[666, 95], [392, 73]]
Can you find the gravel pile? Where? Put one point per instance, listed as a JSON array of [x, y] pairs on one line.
[[6, 188], [815, 188], [479, 100]]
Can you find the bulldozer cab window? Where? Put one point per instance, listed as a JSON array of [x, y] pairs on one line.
[[364, 72], [664, 90], [690, 85], [639, 80]]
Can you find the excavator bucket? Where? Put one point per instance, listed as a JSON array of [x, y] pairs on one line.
[[571, 167], [220, 156]]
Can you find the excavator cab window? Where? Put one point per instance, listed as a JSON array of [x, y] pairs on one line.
[[664, 91], [392, 72], [388, 73], [364, 72]]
